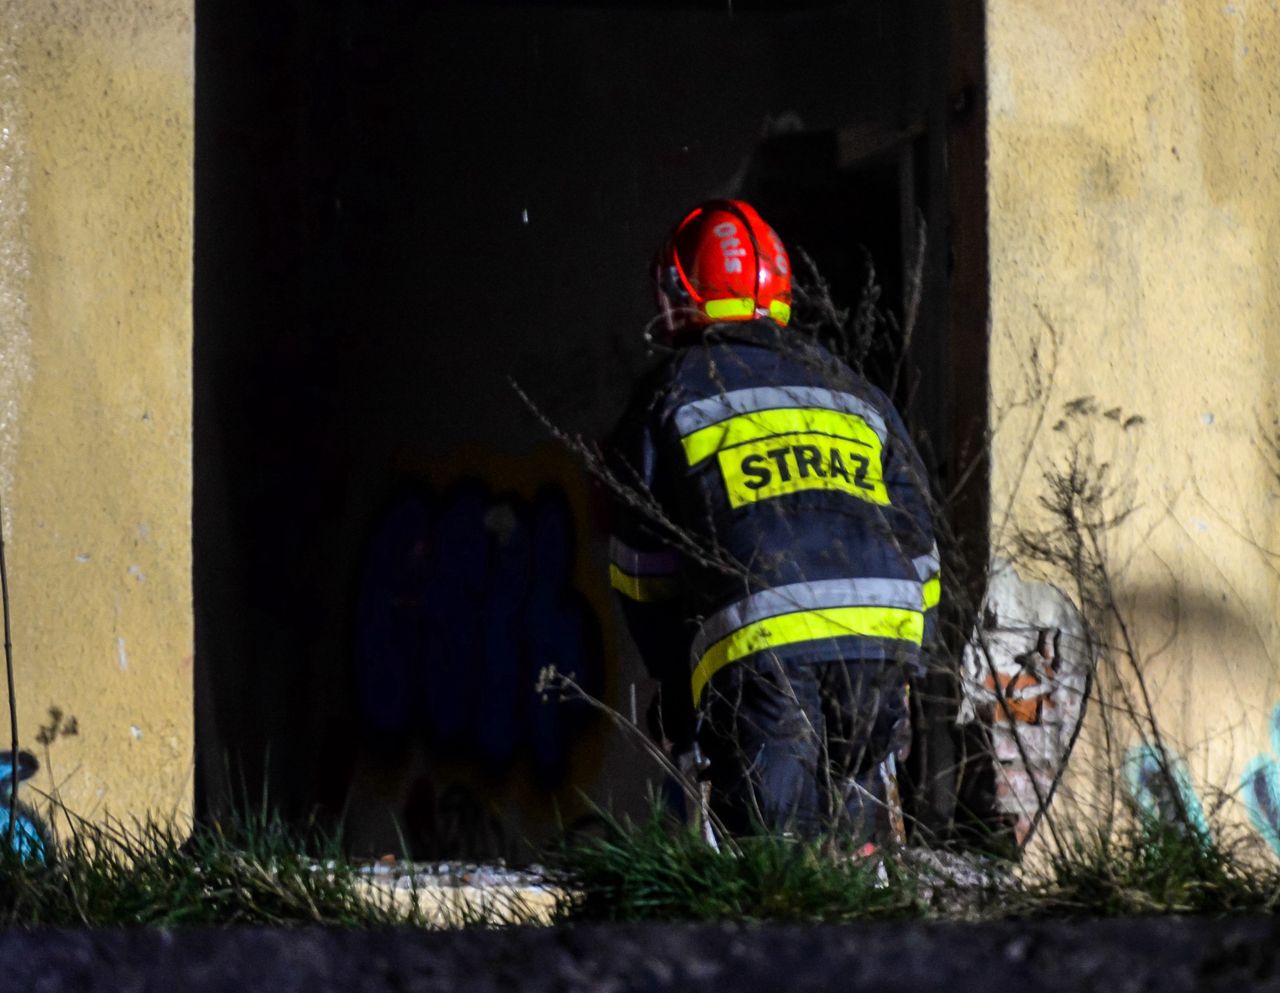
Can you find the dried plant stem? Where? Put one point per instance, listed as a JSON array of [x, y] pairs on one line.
[[552, 679], [13, 699]]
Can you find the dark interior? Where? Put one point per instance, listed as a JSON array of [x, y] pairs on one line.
[[401, 208]]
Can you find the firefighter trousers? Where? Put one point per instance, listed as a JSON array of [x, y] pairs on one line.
[[795, 748]]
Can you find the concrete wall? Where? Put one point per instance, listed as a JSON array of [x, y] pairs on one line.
[[96, 131], [1134, 184]]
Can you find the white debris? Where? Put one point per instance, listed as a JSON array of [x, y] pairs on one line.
[[1025, 674]]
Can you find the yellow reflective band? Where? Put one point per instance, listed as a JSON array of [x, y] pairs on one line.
[[718, 310], [792, 463], [644, 589], [780, 312], [807, 625], [705, 442], [932, 592]]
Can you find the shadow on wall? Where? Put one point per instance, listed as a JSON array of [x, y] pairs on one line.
[[463, 599]]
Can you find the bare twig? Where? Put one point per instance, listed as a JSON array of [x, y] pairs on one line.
[[13, 699], [551, 678]]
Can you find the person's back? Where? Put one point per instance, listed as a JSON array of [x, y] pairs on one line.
[[778, 539]]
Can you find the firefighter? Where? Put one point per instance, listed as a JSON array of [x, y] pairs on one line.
[[772, 545]]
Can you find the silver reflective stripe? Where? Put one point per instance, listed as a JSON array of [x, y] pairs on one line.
[[703, 413], [927, 565], [903, 593], [637, 563]]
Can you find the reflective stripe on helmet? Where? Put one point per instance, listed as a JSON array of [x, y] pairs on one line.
[[719, 310], [780, 312]]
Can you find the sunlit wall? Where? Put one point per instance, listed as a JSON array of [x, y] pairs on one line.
[[96, 129], [1134, 184]]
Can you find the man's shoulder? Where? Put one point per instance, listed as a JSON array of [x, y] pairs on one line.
[[745, 356]]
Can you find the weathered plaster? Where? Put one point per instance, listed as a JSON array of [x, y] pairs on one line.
[[15, 336], [1134, 182], [96, 143]]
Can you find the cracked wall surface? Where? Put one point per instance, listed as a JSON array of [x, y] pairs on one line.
[[96, 145]]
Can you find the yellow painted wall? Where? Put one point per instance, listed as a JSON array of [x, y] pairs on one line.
[[96, 145], [1134, 184]]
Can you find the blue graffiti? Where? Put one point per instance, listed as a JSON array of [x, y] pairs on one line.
[[27, 836], [1161, 787], [1261, 787], [463, 601]]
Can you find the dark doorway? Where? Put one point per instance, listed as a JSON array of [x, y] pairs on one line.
[[852, 213], [401, 207]]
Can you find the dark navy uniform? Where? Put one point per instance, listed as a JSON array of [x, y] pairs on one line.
[[776, 562]]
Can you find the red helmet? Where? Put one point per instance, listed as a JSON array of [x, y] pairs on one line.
[[723, 263]]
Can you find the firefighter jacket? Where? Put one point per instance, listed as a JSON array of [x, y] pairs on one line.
[[767, 498]]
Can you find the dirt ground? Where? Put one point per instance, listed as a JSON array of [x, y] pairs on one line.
[[1157, 954]]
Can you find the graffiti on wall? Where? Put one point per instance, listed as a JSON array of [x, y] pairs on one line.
[[1260, 786], [1152, 784], [1160, 786], [1025, 677], [25, 832], [463, 600]]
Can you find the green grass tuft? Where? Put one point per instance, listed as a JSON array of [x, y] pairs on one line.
[[252, 871], [1151, 867], [255, 870], [660, 871]]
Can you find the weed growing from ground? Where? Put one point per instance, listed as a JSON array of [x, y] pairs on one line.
[[248, 870], [1149, 867], [254, 871], [658, 870]]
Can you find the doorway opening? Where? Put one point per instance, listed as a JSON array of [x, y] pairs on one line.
[[398, 208]]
